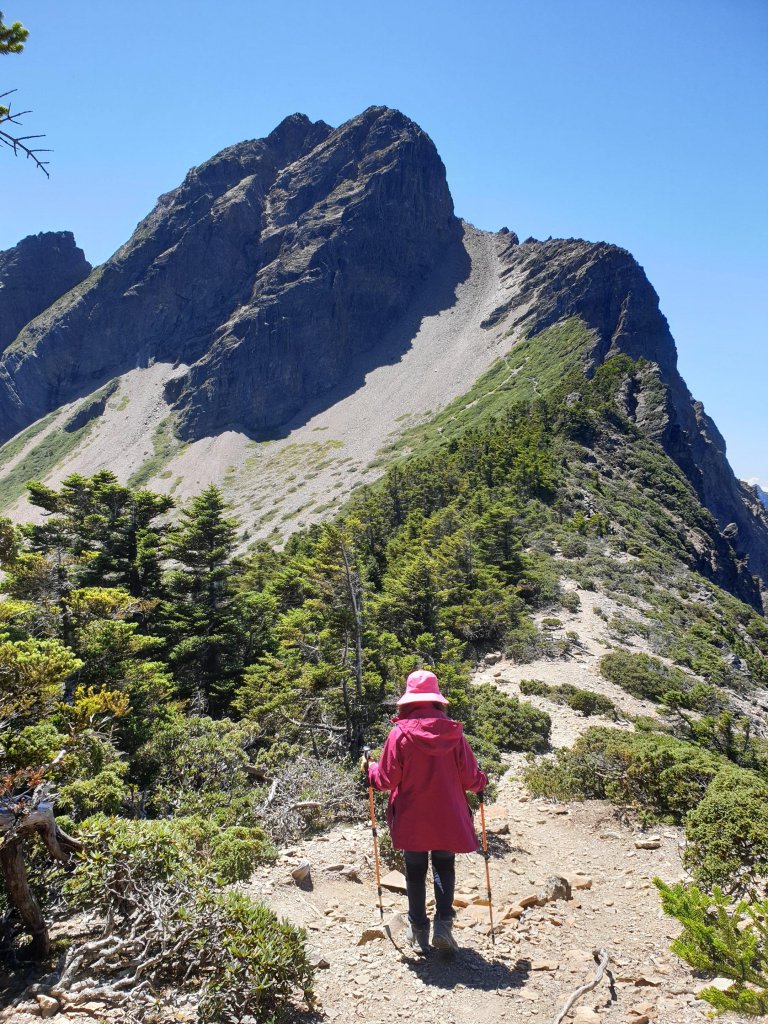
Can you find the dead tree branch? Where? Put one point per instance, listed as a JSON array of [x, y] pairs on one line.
[[18, 143], [20, 818], [602, 960]]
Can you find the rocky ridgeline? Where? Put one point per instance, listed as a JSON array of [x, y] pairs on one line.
[[605, 287]]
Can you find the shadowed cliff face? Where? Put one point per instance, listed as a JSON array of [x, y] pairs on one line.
[[349, 233], [163, 295], [35, 273], [268, 268]]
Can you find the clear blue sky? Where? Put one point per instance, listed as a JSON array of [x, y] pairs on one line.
[[643, 124]]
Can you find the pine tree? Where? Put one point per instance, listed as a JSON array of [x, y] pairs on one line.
[[112, 532], [202, 611], [723, 939]]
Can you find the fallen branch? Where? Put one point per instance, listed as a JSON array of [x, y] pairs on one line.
[[601, 959], [271, 795]]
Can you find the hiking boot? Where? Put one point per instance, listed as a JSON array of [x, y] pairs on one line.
[[442, 936], [418, 938]]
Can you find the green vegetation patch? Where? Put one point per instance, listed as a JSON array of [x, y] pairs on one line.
[[16, 445], [727, 832], [588, 702], [533, 369], [166, 445], [507, 723], [653, 772], [39, 462], [648, 678]]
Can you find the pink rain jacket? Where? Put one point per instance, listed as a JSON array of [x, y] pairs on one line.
[[428, 765]]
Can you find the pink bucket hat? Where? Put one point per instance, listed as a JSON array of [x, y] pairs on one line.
[[422, 688]]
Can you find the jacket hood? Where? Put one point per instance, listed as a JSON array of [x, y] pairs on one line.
[[436, 736]]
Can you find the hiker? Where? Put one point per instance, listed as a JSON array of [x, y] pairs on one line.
[[427, 765]]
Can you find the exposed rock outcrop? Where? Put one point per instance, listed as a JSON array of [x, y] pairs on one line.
[[348, 233], [35, 273]]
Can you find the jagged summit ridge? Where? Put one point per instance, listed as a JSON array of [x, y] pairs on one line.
[[273, 263], [349, 231]]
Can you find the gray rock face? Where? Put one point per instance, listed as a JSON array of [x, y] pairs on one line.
[[33, 274], [349, 231], [268, 269]]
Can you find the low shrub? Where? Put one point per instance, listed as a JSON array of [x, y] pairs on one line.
[[328, 784], [534, 688], [727, 832], [588, 702], [159, 851], [166, 924], [256, 964], [570, 600], [658, 774], [728, 734], [507, 723], [649, 678]]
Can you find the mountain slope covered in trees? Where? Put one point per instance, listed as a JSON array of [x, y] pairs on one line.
[[189, 685]]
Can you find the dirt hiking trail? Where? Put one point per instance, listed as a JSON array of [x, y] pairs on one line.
[[538, 958], [542, 953]]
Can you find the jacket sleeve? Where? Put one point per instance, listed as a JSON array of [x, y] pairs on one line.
[[472, 778], [387, 772]]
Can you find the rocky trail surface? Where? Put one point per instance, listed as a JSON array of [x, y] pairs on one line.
[[543, 948], [542, 952]]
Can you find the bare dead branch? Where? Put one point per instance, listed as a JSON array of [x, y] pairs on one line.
[[602, 960], [18, 143]]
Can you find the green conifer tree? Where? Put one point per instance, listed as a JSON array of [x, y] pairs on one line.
[[202, 611], [728, 940], [115, 534]]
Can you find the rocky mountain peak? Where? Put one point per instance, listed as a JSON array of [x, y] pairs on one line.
[[269, 268], [33, 274], [286, 271]]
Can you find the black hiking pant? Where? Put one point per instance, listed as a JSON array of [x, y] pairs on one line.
[[444, 877]]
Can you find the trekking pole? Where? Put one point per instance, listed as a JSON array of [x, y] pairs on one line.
[[367, 755], [486, 857]]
